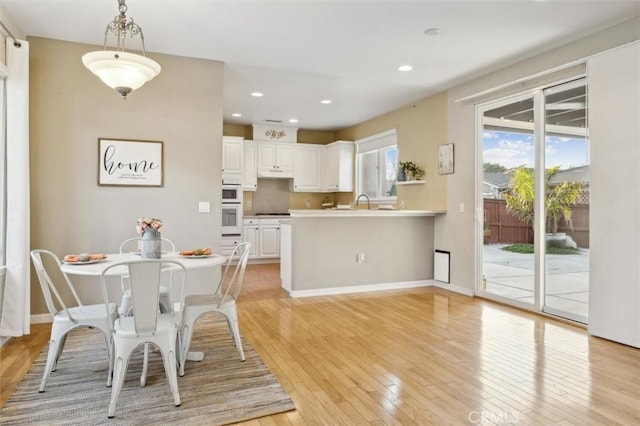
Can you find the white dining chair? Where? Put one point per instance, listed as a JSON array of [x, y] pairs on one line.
[[146, 325], [65, 317], [132, 245], [125, 303], [222, 301]]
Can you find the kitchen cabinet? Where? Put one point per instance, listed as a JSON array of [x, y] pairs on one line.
[[269, 243], [275, 159], [232, 156], [338, 167], [264, 236], [307, 168], [250, 235], [229, 243], [250, 175]]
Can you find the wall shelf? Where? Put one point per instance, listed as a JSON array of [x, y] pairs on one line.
[[410, 182]]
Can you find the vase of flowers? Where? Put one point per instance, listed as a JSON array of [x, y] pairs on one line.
[[150, 240]]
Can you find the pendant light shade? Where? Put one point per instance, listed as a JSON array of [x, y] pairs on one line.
[[120, 70]]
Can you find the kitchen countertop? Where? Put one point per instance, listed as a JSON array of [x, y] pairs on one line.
[[266, 216], [363, 213]]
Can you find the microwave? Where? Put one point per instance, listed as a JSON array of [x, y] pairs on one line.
[[231, 194]]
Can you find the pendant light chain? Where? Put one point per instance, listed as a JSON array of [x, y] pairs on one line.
[[120, 28]]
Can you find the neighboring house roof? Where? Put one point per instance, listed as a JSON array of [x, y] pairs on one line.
[[496, 180], [574, 174]]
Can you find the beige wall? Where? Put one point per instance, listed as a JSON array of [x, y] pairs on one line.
[[71, 109], [421, 128]]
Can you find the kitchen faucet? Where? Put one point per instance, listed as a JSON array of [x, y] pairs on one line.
[[368, 202]]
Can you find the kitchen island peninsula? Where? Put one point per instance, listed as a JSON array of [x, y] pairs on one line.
[[345, 251]]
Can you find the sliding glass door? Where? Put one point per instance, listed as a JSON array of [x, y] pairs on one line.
[[566, 162], [533, 236]]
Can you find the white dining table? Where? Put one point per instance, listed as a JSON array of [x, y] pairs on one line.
[[96, 269]]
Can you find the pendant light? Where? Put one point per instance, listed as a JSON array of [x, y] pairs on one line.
[[120, 70]]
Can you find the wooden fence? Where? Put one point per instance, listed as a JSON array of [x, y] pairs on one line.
[[503, 227]]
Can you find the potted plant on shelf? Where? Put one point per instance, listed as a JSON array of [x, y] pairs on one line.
[[411, 170]]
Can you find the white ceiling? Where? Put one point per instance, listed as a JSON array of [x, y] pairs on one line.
[[300, 52]]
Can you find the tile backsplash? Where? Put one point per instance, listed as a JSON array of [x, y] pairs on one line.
[[274, 196]]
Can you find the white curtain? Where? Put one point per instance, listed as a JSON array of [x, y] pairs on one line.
[[16, 311]]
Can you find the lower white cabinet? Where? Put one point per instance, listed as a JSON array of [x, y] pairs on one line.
[[229, 242], [264, 236], [250, 234]]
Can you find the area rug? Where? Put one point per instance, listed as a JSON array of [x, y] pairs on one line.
[[219, 390]]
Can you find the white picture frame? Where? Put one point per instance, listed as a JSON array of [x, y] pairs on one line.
[[445, 159], [124, 162]]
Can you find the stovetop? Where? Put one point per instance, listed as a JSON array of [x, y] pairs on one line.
[[272, 214]]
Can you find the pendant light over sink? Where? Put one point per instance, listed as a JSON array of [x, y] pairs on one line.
[[120, 70]]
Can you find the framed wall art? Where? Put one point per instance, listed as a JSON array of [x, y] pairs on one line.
[[130, 163], [445, 159]]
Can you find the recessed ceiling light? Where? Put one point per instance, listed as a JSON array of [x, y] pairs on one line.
[[405, 68], [432, 31], [236, 114], [293, 120], [257, 94], [325, 101]]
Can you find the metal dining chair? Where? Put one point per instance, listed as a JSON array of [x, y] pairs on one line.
[[222, 301], [125, 303], [126, 308], [67, 318], [146, 325]]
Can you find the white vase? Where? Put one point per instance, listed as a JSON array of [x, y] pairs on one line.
[[150, 244]]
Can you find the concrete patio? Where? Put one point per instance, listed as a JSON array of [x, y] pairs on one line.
[[510, 275]]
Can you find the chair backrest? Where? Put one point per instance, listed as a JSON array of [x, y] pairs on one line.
[[144, 281], [50, 291], [231, 286], [128, 245]]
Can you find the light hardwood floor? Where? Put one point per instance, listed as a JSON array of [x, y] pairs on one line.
[[420, 356]]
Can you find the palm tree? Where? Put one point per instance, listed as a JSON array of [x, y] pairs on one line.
[[558, 198]]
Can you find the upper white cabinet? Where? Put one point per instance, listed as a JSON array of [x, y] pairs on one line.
[[275, 159], [307, 169], [250, 176], [338, 167], [232, 155]]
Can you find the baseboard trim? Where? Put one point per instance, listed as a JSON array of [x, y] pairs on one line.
[[41, 318], [360, 288], [454, 288], [259, 261]]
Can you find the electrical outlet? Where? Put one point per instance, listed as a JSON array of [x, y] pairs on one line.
[[308, 203], [402, 204], [461, 207], [204, 207], [249, 204], [360, 258]]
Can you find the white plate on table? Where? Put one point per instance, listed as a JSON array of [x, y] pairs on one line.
[[197, 255], [86, 262]]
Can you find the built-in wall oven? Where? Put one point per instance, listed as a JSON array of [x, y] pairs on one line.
[[231, 219], [231, 209]]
